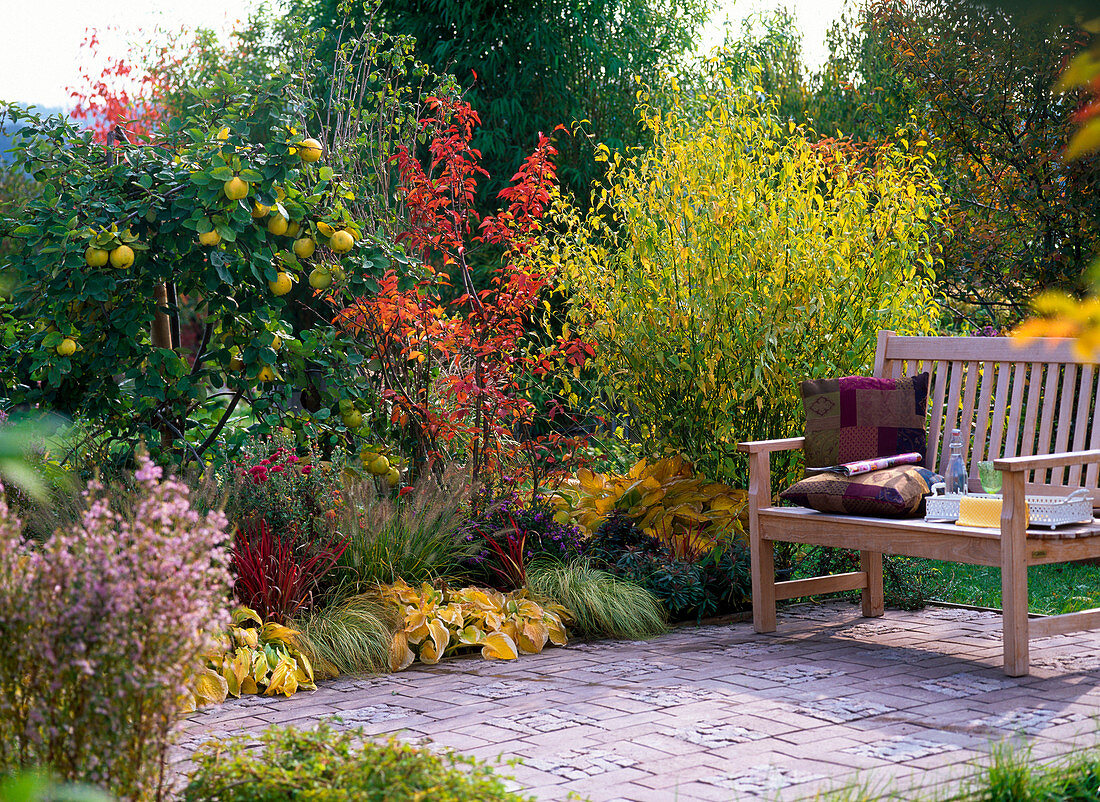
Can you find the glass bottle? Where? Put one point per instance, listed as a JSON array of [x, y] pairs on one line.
[[956, 478]]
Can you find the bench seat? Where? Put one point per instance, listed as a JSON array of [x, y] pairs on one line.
[[930, 539]]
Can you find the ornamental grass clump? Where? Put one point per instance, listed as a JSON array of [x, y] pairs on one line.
[[600, 604], [102, 625], [352, 636], [416, 537]]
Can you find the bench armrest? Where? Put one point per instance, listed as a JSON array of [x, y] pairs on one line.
[[768, 446], [1047, 461]]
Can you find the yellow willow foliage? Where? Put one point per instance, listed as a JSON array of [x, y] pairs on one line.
[[733, 259]]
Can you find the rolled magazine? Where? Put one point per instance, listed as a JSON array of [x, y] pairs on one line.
[[868, 465]]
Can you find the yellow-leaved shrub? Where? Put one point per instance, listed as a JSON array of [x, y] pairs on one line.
[[665, 497], [735, 257]]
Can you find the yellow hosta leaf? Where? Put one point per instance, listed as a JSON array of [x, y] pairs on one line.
[[429, 654], [260, 668], [529, 609], [416, 625], [400, 591], [724, 503], [532, 637], [401, 656], [242, 663], [305, 680], [242, 614], [498, 646], [305, 668], [451, 614], [277, 633], [592, 482], [688, 513], [604, 505], [277, 682], [479, 599], [209, 687], [441, 636], [509, 627], [232, 683], [556, 630], [470, 636], [248, 686]]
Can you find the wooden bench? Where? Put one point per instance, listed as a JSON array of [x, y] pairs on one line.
[[1029, 408]]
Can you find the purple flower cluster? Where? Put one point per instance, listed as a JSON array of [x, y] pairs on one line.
[[102, 625]]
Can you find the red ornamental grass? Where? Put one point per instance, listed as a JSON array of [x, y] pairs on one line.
[[276, 576], [512, 569]]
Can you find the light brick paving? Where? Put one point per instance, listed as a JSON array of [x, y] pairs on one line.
[[716, 712]]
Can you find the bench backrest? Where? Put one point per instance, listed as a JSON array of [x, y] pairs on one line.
[[1013, 400]]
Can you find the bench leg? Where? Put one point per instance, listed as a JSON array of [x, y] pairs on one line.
[[870, 563], [1014, 575], [762, 568], [1014, 603], [761, 551]]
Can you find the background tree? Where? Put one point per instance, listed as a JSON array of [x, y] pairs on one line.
[[210, 210], [530, 65], [1023, 218]]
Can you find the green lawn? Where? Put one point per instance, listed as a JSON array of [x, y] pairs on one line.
[[1051, 588]]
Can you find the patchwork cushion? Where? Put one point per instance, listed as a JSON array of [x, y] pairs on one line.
[[857, 418], [890, 493]]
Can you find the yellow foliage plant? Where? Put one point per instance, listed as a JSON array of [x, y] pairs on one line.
[[732, 259], [261, 659], [666, 499], [438, 622]]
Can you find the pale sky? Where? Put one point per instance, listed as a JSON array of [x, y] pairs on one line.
[[40, 39]]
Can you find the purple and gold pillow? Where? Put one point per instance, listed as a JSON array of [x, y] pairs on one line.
[[858, 417], [890, 493]]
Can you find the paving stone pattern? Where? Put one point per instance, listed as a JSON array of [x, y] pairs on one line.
[[717, 712]]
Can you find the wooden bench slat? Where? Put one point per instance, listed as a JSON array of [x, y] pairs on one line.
[[1081, 420], [1014, 411], [1046, 420], [980, 449], [938, 390], [1092, 471], [1064, 422], [999, 349], [1000, 405], [951, 413], [834, 583], [1034, 392]]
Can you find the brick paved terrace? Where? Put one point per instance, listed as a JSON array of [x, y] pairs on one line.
[[716, 712]]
